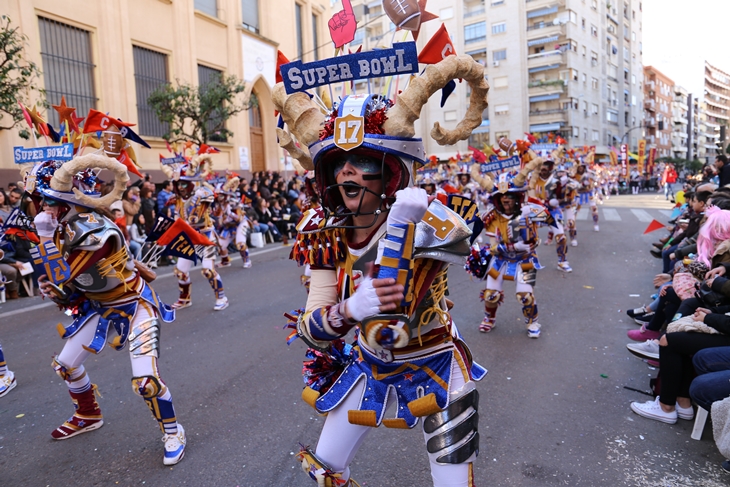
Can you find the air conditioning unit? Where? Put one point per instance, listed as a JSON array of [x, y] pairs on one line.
[[495, 64]]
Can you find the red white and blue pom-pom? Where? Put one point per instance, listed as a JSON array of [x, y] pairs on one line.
[[477, 264], [321, 369]]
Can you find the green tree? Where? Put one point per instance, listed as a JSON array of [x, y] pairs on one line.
[[199, 113], [18, 77]]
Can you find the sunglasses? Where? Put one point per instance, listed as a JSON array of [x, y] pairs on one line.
[[364, 165]]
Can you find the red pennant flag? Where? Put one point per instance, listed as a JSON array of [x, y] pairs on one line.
[[207, 149], [478, 155], [169, 148], [97, 121], [181, 227], [127, 161], [280, 59], [437, 48], [653, 226], [26, 115]]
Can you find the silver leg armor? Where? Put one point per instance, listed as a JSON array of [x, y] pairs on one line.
[[451, 435], [144, 340]]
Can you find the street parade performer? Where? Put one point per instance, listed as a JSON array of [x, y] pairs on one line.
[[193, 199], [556, 190], [7, 377], [379, 250], [89, 272], [511, 223], [230, 222]]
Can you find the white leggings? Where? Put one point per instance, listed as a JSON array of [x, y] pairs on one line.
[[74, 355], [497, 284], [340, 440]]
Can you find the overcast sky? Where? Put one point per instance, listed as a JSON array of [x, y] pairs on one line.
[[679, 35]]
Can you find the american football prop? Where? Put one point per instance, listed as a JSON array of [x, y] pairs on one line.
[[405, 14]]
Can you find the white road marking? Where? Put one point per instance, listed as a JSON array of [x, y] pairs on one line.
[[667, 213], [159, 276], [611, 215], [642, 215], [582, 214]]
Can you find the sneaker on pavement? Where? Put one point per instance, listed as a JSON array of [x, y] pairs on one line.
[[644, 320], [7, 383], [685, 413], [486, 326], [653, 410], [642, 334], [636, 312], [221, 304], [595, 228], [725, 466], [565, 267], [574, 243], [76, 425], [174, 446], [649, 349], [533, 330], [247, 264]]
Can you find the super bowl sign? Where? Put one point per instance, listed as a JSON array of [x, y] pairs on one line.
[[500, 165], [401, 59], [64, 152]]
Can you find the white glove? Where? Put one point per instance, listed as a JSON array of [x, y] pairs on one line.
[[45, 224], [409, 207], [523, 247], [554, 203], [364, 302], [563, 180]]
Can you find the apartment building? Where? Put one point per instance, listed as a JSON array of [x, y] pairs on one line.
[[717, 99], [658, 105], [680, 119], [111, 55], [568, 67]]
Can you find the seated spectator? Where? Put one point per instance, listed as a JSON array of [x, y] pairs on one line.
[[264, 217], [147, 207], [131, 203], [137, 236], [5, 208], [14, 197], [14, 256], [162, 199]]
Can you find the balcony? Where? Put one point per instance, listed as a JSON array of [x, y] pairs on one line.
[[556, 115], [545, 34], [475, 12], [474, 41], [545, 60], [544, 86], [650, 122], [650, 104], [532, 5]]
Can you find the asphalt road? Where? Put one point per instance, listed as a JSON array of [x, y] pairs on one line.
[[553, 411]]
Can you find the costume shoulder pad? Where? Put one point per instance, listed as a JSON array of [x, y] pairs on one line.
[[442, 235], [89, 230]]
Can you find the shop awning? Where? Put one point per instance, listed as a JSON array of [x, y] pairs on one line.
[[546, 127], [543, 68], [542, 40], [535, 99], [542, 11]]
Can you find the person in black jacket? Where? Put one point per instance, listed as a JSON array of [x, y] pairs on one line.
[[723, 169]]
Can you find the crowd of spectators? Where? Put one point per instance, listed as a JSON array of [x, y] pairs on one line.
[[271, 203], [685, 330]]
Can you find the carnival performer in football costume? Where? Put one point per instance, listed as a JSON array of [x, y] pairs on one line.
[[511, 224], [230, 222], [408, 354], [106, 292], [7, 377], [586, 194], [556, 191], [193, 200]]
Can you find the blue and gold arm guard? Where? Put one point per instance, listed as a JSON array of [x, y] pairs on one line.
[[322, 325], [391, 331]]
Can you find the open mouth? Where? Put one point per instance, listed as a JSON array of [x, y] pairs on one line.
[[351, 190]]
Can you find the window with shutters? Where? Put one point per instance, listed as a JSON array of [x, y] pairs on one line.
[[207, 77], [68, 69], [209, 7], [475, 32], [150, 72], [315, 36], [250, 15], [300, 39]]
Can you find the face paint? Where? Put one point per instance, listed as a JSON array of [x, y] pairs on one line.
[[365, 165]]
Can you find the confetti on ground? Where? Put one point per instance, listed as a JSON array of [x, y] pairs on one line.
[[588, 287], [656, 469], [604, 376], [20, 415], [634, 295]]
